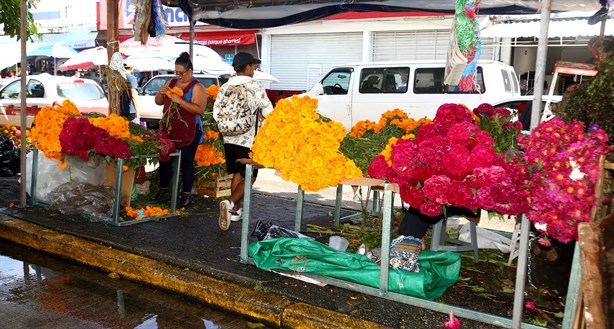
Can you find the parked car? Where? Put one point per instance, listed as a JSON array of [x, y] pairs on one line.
[[149, 111], [45, 89], [521, 107], [363, 91]]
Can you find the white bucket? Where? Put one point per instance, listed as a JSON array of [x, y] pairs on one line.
[[338, 242]]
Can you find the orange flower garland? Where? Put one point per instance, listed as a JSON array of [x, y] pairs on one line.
[[146, 212], [303, 146], [47, 127]]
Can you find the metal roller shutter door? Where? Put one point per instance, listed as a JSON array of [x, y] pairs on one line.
[[298, 60], [416, 45]]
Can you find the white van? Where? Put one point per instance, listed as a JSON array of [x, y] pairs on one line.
[[363, 91]]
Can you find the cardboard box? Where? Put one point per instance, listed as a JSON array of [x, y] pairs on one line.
[[126, 185], [218, 188]]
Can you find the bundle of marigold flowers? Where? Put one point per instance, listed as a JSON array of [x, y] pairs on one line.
[[563, 169], [11, 132], [173, 109], [47, 126], [367, 138], [210, 161], [303, 146]]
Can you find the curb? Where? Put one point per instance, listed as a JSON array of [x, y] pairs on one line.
[[264, 307]]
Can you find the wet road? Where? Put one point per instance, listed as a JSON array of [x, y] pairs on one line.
[[39, 291]]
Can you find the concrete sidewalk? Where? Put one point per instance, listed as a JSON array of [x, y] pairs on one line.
[[191, 256]]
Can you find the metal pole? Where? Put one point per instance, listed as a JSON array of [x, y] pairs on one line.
[[521, 273], [540, 63], [22, 95]]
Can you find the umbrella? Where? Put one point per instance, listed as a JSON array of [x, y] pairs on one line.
[[56, 50], [154, 45], [212, 64], [263, 76], [11, 53], [87, 59], [149, 63]]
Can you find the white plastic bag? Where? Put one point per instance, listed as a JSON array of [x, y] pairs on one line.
[[50, 176], [487, 239]]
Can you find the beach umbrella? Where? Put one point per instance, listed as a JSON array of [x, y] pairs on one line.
[[142, 63], [87, 59], [56, 50], [154, 45]]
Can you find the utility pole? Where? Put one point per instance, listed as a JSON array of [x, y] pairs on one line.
[[112, 42]]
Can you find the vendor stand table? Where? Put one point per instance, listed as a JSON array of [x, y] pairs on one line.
[[382, 291], [114, 219]]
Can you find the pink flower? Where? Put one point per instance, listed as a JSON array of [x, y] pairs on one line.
[[530, 305], [436, 189], [430, 209], [452, 323], [451, 114], [378, 167]]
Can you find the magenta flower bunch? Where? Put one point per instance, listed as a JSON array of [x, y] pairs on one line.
[[80, 137], [453, 162], [563, 168]]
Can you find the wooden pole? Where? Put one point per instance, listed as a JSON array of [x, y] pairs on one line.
[[112, 43], [23, 122]]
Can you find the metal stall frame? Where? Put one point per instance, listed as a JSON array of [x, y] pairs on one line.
[[382, 291], [114, 219]]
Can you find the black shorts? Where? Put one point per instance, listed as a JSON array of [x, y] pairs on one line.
[[233, 152]]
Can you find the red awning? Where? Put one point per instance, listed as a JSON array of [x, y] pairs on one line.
[[223, 38]]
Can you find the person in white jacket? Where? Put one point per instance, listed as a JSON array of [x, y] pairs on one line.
[[254, 105]]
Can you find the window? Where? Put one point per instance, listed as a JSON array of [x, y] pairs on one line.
[[506, 80], [80, 91], [384, 80], [35, 89], [154, 85], [11, 91], [207, 81], [337, 82], [431, 81]]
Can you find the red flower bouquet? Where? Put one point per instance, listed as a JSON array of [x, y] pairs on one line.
[[563, 169], [80, 137], [453, 162]]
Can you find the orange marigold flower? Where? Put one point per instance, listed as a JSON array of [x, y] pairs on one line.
[[175, 90]]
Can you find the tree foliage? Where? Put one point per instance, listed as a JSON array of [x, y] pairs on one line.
[[10, 14], [593, 102]]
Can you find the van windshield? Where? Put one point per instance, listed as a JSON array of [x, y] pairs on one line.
[[80, 91], [431, 81], [337, 82]]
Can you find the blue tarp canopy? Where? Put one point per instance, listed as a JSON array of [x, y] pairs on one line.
[[249, 14]]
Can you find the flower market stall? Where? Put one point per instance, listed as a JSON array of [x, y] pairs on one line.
[[89, 162], [471, 159]]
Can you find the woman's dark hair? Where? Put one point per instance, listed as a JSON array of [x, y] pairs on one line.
[[184, 60]]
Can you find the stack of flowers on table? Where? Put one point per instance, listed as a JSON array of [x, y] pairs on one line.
[[209, 158], [303, 145], [453, 162], [62, 131], [367, 138], [563, 166]]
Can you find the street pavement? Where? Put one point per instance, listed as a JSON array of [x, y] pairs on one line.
[[190, 255]]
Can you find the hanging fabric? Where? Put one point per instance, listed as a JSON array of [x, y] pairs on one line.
[[465, 47]]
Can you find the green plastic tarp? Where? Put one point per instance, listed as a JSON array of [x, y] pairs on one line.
[[438, 270]]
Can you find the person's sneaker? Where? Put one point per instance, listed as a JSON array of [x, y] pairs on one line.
[[236, 215], [225, 208]]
